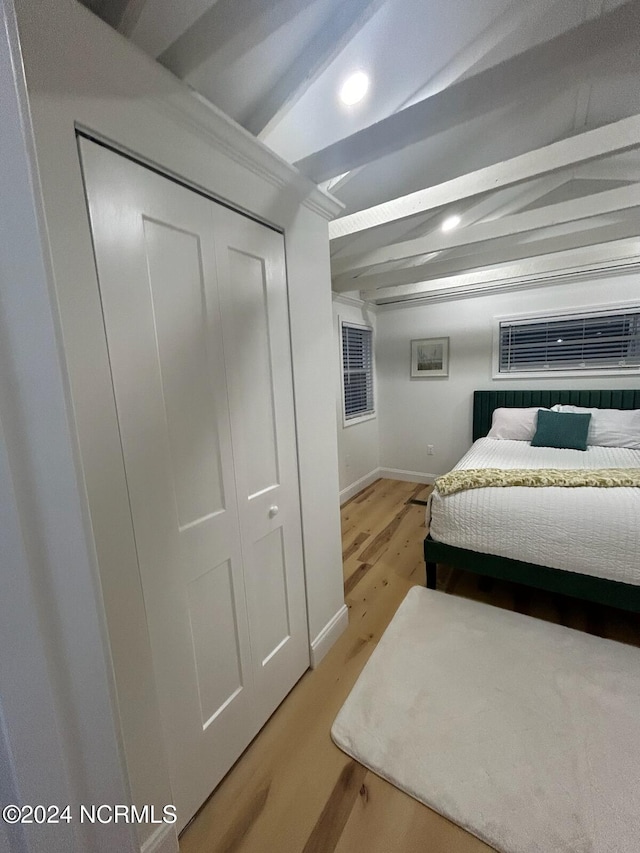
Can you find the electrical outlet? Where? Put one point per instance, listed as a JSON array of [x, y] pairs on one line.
[[429, 449]]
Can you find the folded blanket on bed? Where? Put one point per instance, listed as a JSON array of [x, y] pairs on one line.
[[480, 478]]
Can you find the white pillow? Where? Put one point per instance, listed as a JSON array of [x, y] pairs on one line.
[[610, 427], [514, 424]]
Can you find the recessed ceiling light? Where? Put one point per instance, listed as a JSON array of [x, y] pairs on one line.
[[354, 88], [450, 223]]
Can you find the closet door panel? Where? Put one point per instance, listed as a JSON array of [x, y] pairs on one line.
[[253, 372], [179, 311], [271, 627], [253, 292], [158, 282]]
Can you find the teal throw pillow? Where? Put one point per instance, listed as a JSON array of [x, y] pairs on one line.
[[561, 429]]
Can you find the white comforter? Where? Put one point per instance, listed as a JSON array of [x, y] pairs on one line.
[[586, 530]]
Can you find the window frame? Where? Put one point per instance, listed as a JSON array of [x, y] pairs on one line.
[[365, 416], [590, 311]]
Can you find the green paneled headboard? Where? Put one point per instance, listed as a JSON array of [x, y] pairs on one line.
[[484, 402]]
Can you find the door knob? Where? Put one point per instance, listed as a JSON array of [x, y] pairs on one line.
[[273, 511]]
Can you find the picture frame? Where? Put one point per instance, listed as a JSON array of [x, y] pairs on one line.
[[429, 358]]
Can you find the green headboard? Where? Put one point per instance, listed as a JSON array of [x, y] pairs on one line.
[[484, 402]]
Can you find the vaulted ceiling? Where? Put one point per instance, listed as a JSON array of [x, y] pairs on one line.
[[522, 117]]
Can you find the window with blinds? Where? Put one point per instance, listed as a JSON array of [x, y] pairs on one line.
[[357, 370], [589, 341]]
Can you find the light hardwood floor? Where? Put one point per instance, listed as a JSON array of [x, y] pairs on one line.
[[293, 791]]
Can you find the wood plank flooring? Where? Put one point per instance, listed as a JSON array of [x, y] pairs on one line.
[[293, 791]]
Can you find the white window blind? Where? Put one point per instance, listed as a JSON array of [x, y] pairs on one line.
[[575, 342], [357, 370]]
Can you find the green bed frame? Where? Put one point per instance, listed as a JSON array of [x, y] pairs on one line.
[[614, 593]]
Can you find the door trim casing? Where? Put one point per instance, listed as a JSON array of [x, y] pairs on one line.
[[99, 139]]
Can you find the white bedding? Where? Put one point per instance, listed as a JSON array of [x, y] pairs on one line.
[[587, 530]]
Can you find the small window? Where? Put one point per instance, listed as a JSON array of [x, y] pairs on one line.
[[357, 370], [572, 342]]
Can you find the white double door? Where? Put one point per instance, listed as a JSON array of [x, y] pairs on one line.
[[195, 307]]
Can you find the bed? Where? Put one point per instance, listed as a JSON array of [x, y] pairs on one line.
[[583, 542]]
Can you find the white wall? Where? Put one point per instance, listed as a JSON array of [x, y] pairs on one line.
[[358, 443], [418, 412], [79, 72], [58, 722]]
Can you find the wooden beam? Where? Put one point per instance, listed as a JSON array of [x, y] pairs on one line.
[[514, 17], [593, 9], [621, 135], [313, 58], [547, 268], [606, 45], [511, 19], [517, 197], [228, 30], [489, 257], [510, 226], [130, 16], [491, 206], [605, 170], [487, 206], [120, 14]]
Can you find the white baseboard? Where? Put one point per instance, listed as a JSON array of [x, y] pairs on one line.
[[409, 476], [388, 473], [359, 485], [163, 840], [329, 634]]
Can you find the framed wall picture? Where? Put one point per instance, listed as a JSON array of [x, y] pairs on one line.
[[429, 358]]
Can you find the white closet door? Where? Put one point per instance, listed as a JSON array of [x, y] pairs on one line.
[[158, 282], [253, 292]]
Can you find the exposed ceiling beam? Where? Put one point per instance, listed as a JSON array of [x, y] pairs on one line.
[[511, 19], [366, 241], [229, 29], [605, 45], [507, 201], [491, 206], [593, 9], [485, 206], [619, 136], [583, 99], [131, 15], [519, 196], [120, 14], [602, 170], [509, 226], [313, 58], [94, 5], [546, 268], [490, 256]]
